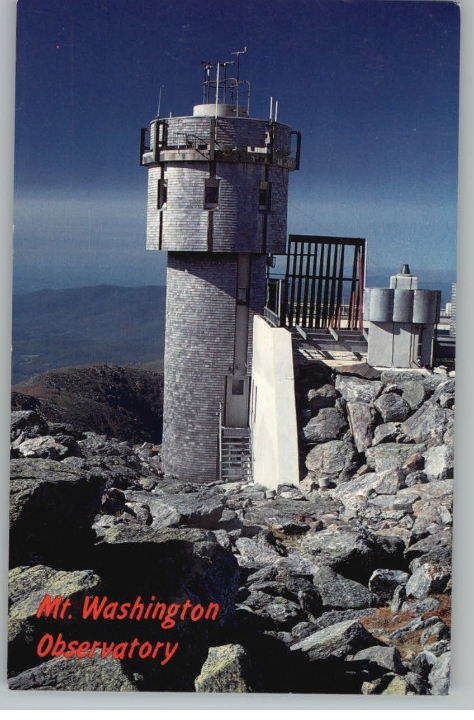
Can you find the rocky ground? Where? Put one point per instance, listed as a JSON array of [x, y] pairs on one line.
[[341, 584]]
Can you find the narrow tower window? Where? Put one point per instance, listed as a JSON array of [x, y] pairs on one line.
[[264, 195], [162, 193], [211, 193]]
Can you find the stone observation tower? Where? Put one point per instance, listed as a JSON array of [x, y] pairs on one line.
[[217, 203]]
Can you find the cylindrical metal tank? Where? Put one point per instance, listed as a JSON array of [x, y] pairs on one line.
[[426, 307], [381, 305], [402, 305]]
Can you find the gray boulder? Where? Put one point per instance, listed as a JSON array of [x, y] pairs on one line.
[[255, 552], [273, 611], [27, 587], [354, 389], [389, 456], [427, 579], [387, 432], [48, 501], [361, 421], [202, 508], [414, 393], [88, 674], [327, 425], [438, 678], [380, 659], [392, 407], [322, 397], [338, 641], [339, 593], [427, 424], [439, 462], [226, 669], [332, 459], [353, 551], [27, 423], [41, 447], [383, 582], [184, 559]]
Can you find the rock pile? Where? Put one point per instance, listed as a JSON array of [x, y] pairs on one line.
[[339, 584]]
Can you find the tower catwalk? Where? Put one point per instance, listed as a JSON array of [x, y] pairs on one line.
[[217, 202]]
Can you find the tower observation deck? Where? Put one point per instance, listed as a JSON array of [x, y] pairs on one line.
[[217, 203]]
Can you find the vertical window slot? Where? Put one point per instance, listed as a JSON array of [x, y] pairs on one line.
[[211, 193], [162, 193], [264, 195]]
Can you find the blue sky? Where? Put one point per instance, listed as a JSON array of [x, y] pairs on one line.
[[373, 86]]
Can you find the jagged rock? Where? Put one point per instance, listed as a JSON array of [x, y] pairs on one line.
[[355, 493], [331, 617], [420, 670], [444, 390], [399, 596], [361, 370], [427, 579], [379, 659], [354, 389], [273, 610], [183, 559], [227, 669], [27, 423], [50, 502], [322, 397], [392, 407], [41, 447], [427, 424], [397, 686], [88, 674], [439, 676], [417, 477], [439, 462], [414, 393], [361, 421], [383, 582], [27, 586], [255, 552], [202, 508], [339, 593], [435, 547], [354, 552], [435, 632], [339, 640], [289, 516], [418, 607], [282, 580], [330, 460], [289, 492], [387, 432], [388, 456], [400, 377], [327, 425]]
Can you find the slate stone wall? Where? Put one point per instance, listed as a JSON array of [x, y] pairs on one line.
[[199, 352]]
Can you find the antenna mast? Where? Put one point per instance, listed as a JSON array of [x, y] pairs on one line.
[[238, 53]]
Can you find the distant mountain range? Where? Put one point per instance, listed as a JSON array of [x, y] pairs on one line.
[[82, 326]]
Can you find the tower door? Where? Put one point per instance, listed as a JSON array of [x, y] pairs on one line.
[[237, 394]]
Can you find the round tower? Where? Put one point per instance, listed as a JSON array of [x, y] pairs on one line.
[[217, 203]]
